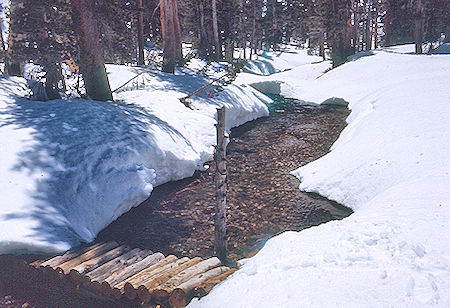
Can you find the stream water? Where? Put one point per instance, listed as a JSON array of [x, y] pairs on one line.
[[263, 201], [263, 197]]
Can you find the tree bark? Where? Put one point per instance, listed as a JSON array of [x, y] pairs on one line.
[[93, 253], [253, 37], [13, 66], [208, 285], [419, 22], [70, 254], [104, 270], [220, 218], [204, 42], [184, 292], [140, 28], [217, 49], [132, 269], [2, 42], [369, 29], [164, 290], [171, 34], [375, 26], [145, 291], [92, 64], [52, 77], [322, 46], [387, 25], [76, 273]]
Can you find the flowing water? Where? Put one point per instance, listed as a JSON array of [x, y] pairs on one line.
[[263, 197]]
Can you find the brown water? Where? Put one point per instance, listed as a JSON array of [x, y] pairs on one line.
[[263, 198]]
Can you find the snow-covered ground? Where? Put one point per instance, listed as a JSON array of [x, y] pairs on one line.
[[391, 165], [70, 167], [281, 73]]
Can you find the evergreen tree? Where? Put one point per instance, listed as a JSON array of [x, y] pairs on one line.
[[92, 65], [171, 34]]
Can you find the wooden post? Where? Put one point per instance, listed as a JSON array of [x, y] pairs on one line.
[[220, 218]]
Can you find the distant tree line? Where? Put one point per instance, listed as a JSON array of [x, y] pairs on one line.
[[87, 33]]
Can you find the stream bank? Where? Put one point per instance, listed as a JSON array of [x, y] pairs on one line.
[[263, 198]]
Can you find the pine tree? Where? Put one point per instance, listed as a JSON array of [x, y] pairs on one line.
[[171, 34], [92, 65]]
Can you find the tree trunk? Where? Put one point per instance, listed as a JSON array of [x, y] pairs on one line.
[[140, 28], [375, 27], [274, 27], [176, 25], [13, 66], [2, 42], [418, 34], [217, 49], [204, 42], [229, 50], [253, 38], [369, 30], [322, 47], [220, 218], [52, 78], [92, 64], [419, 22], [387, 25], [357, 20], [171, 34]]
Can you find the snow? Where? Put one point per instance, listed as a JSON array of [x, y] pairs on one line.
[[391, 166], [277, 73], [442, 49], [70, 167]]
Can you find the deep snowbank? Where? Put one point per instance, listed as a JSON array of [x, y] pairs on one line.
[[391, 165], [69, 168], [282, 73]]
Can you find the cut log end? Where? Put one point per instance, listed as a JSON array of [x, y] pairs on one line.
[[178, 298], [160, 296], [129, 291], [144, 294]]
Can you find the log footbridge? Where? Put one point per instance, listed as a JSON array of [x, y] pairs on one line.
[[113, 272]]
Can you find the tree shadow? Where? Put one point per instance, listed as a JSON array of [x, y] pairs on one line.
[[90, 162]]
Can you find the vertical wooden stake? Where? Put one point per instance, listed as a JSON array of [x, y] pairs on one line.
[[220, 218]]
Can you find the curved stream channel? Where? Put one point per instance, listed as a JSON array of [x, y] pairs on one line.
[[263, 198]]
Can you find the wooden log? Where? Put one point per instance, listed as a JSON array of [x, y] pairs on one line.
[[136, 257], [108, 267], [70, 254], [162, 292], [130, 285], [160, 271], [77, 272], [130, 270], [183, 294], [147, 287], [96, 281], [206, 287], [90, 254], [220, 217]]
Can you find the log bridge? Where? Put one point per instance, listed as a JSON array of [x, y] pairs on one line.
[[113, 272]]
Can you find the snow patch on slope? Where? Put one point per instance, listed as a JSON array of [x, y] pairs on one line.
[[71, 167], [391, 166]]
